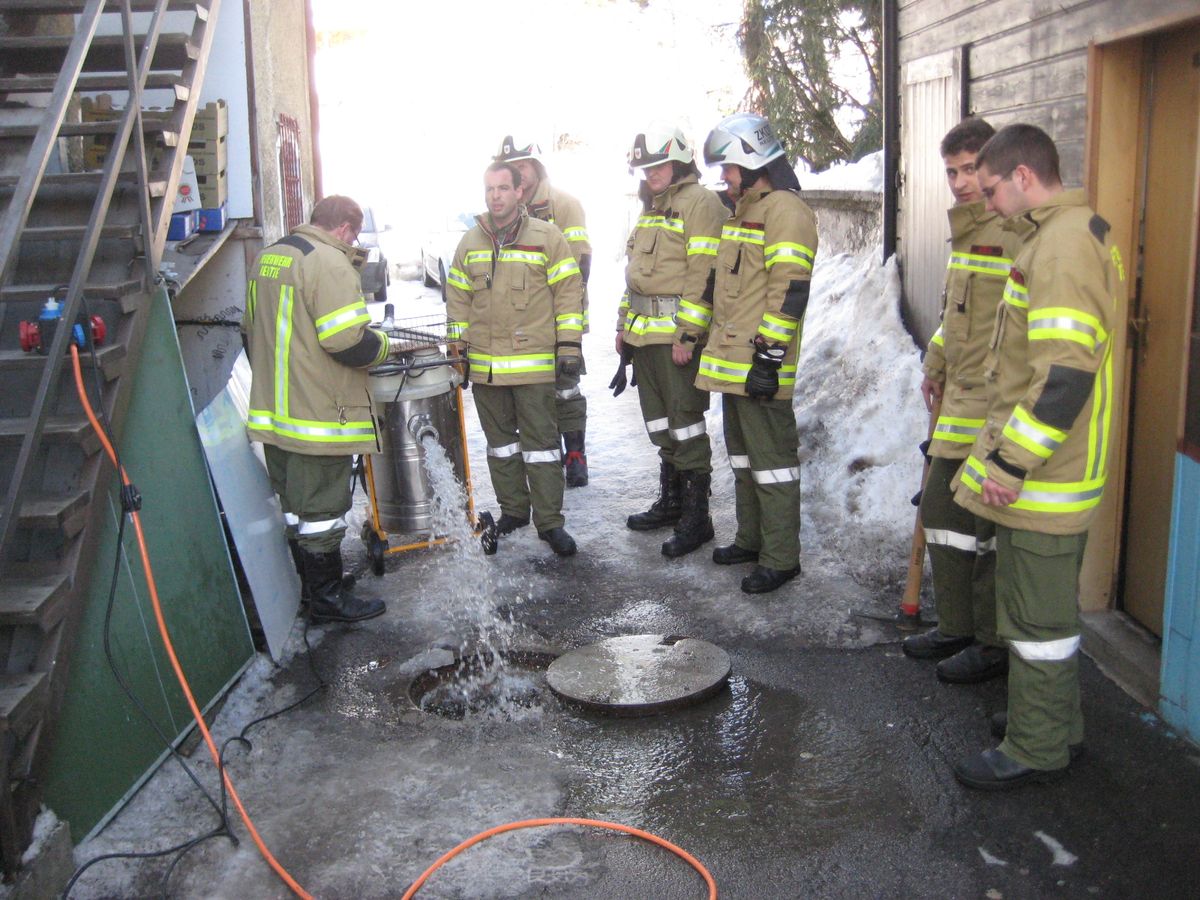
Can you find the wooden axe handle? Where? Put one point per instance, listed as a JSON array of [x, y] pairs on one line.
[[910, 603]]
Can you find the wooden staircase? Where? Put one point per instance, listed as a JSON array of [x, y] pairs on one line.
[[94, 240]]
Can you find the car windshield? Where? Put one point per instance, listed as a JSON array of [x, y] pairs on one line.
[[369, 220]]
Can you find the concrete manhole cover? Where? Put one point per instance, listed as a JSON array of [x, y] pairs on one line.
[[639, 675]]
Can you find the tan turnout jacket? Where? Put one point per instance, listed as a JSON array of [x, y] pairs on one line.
[[1049, 373], [671, 254]]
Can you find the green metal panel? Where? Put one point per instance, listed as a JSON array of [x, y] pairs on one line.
[[103, 749]]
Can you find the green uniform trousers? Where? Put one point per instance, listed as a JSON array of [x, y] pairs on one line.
[[521, 426], [673, 407], [760, 439], [962, 551], [1037, 586], [570, 404], [314, 492]]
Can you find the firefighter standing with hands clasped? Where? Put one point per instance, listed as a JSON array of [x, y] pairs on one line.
[[661, 324], [514, 307], [763, 272]]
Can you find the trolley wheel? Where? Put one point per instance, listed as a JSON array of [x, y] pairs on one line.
[[376, 548]]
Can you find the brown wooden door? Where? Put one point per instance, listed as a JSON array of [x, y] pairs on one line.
[[1158, 328]]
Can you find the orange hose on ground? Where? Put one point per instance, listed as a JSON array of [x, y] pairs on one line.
[[166, 638], [533, 823]]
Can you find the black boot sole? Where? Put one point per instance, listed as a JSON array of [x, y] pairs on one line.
[[321, 618], [654, 526], [675, 548]]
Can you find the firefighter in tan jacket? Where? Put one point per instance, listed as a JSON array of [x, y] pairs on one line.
[[309, 344], [514, 307], [662, 321], [763, 271], [544, 201], [1039, 466], [962, 544]]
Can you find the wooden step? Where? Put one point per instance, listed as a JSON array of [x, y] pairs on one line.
[[66, 513], [22, 698], [44, 54], [57, 430], [34, 601], [74, 7], [117, 81], [110, 356], [157, 186], [117, 289], [151, 125], [76, 232]]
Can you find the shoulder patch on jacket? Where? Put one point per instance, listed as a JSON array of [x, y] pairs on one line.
[[1098, 227], [1016, 275], [294, 240]]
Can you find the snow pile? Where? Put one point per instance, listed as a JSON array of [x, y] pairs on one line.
[[860, 418], [864, 175]]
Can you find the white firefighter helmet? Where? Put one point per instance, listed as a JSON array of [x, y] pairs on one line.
[[657, 144], [511, 151], [742, 139]]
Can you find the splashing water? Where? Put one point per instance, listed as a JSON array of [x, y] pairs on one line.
[[483, 682]]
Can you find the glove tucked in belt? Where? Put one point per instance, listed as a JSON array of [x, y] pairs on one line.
[[763, 381]]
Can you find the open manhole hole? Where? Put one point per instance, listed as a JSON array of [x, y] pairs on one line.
[[640, 674], [482, 685]]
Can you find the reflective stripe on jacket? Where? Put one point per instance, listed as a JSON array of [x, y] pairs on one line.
[[763, 273], [975, 275], [309, 345], [671, 252], [1049, 373], [515, 307], [566, 213]]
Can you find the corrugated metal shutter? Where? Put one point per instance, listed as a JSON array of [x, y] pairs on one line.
[[291, 181], [931, 105]]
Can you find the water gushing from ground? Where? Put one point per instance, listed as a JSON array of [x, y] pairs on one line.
[[483, 682]]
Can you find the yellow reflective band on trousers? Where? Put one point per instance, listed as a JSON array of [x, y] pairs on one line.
[[1016, 294], [777, 329], [521, 364], [701, 245], [736, 372], [1042, 496], [1040, 439], [662, 222], [789, 252], [694, 313], [997, 266], [341, 319], [1065, 324], [957, 429]]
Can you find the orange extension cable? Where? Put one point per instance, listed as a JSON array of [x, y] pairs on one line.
[[166, 638], [534, 823], [212, 747]]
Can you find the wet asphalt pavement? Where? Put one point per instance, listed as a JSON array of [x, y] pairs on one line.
[[823, 770]]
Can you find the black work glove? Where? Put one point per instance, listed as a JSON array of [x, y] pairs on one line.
[[763, 381], [620, 381], [568, 366]]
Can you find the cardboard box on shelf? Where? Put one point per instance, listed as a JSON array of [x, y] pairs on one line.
[[183, 224], [188, 195], [214, 190], [212, 219], [212, 121], [210, 156]]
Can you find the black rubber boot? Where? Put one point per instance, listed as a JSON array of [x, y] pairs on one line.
[[575, 461], [695, 527], [329, 599], [558, 539], [348, 580], [664, 511]]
